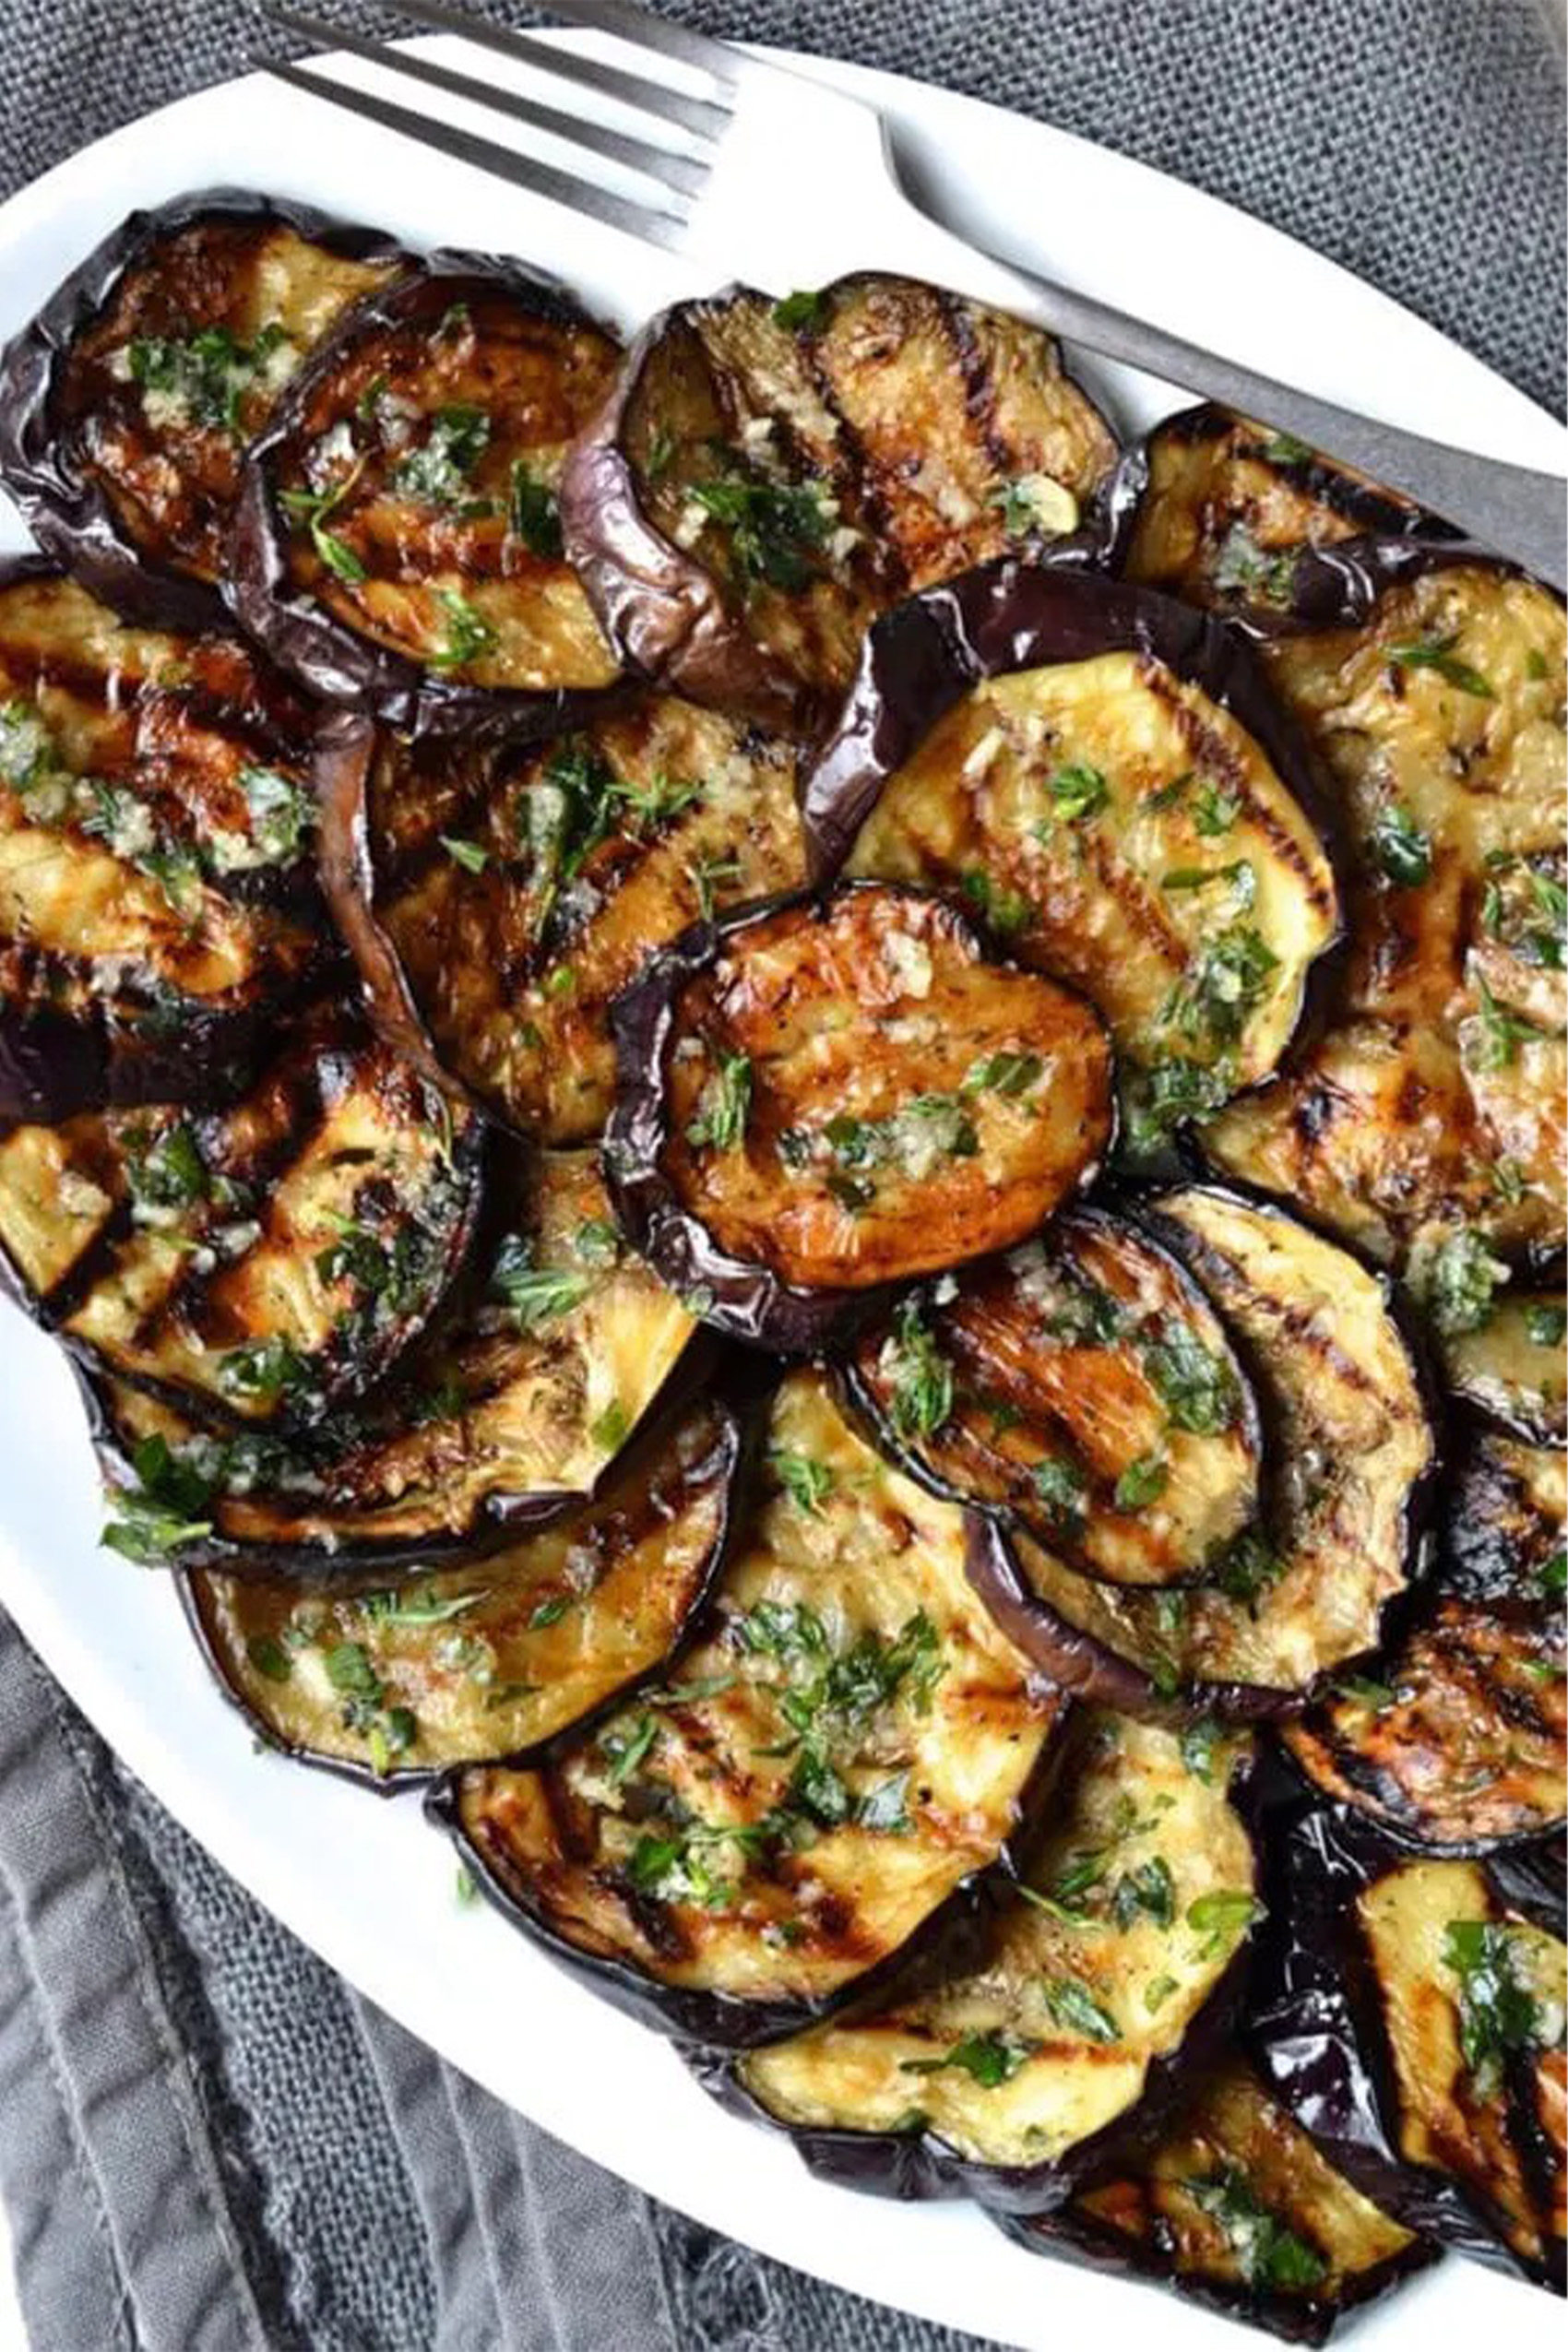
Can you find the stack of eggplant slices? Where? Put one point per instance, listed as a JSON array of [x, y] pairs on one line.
[[804, 1134]]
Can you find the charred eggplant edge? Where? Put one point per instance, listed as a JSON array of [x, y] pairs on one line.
[[71, 516], [738, 1440], [328, 657], [746, 1301], [1315, 2029]]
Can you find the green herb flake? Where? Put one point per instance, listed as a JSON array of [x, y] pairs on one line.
[[1073, 2006], [269, 1656], [1142, 1482], [534, 1294], [1221, 1917], [724, 1106], [1005, 912], [1460, 1283], [533, 517], [1498, 2013], [1198, 1742], [608, 1431], [805, 1481], [1197, 1389], [473, 856], [1269, 2254], [469, 635], [1078, 793], [1400, 848], [1437, 654], [921, 1398], [802, 309], [989, 2059]]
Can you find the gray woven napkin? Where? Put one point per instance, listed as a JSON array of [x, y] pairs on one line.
[[208, 2143]]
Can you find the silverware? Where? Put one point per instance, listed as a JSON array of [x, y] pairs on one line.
[[747, 120]]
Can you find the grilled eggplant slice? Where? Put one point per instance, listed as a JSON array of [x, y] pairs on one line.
[[125, 405], [1306, 1591], [158, 900], [489, 1657], [1433, 690], [1458, 1741], [497, 901], [397, 545], [822, 1098], [831, 1769], [1411, 2017], [1237, 2208], [1036, 1385], [504, 1418], [769, 477], [267, 1264], [1510, 1364], [1104, 776], [1001, 2067], [1214, 509]]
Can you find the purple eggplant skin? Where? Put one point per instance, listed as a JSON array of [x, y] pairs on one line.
[[738, 1442], [1315, 2024], [918, 2166], [1087, 1666], [1012, 614], [747, 1302], [333, 660], [721, 2019], [69, 514]]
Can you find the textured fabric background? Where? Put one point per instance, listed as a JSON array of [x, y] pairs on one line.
[[206, 2142]]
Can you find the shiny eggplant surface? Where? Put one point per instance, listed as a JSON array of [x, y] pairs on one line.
[[1214, 509], [127, 403], [1457, 1740], [266, 1264], [1432, 1104], [491, 1655], [821, 1098], [1236, 2208], [397, 545], [1305, 1590], [504, 1416], [768, 477], [1104, 776], [832, 1767], [1055, 1386], [498, 900], [1506, 1359], [1410, 2014], [1003, 2067], [158, 900]]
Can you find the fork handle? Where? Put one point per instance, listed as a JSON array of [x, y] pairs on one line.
[[1512, 508]]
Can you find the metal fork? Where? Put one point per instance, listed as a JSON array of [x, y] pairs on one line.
[[687, 178]]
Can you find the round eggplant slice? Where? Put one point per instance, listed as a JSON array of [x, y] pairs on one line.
[[1082, 1386], [830, 1770], [504, 1416], [1458, 1740], [157, 899], [1104, 776], [1000, 2069], [125, 405], [819, 1099], [768, 477], [1509, 1365], [267, 1263], [1236, 2208], [490, 1656], [1411, 2017], [498, 900], [397, 545], [1306, 1590], [1434, 1098], [1214, 509]]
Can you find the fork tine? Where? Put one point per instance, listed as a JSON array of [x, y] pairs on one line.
[[684, 172], [655, 228], [645, 29], [702, 115]]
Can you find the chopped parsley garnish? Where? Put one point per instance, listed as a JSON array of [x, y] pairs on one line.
[[167, 1171], [1269, 2254], [1003, 1074], [469, 635], [1058, 1487], [163, 1510], [803, 308], [533, 517], [1460, 1283], [269, 1658], [1502, 1033], [777, 529], [1077, 792], [1246, 1567], [1214, 810], [1547, 1327], [1147, 1892], [437, 472], [1437, 654], [1400, 848], [1074, 2006], [534, 1294], [1197, 1389], [920, 1392], [281, 814], [473, 856], [626, 1748], [805, 1481], [724, 1106], [205, 375], [1284, 449], [609, 1430], [1198, 1742], [711, 874], [1142, 1482], [1229, 978], [1552, 1575], [266, 1368], [25, 747], [1241, 875], [549, 1612], [989, 2059], [1006, 910], [315, 508], [1498, 2013], [1243, 568], [1163, 1097], [1222, 1916]]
